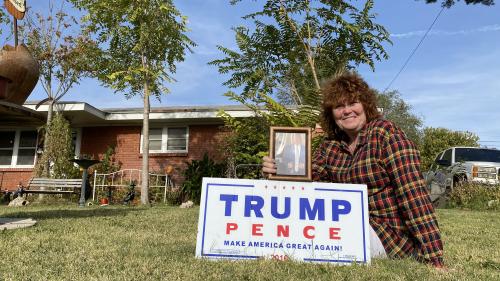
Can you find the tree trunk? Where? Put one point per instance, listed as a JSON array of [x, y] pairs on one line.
[[145, 148]]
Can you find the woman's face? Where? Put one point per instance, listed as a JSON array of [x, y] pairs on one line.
[[350, 117]]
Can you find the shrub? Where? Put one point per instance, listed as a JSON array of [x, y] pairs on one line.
[[246, 143], [58, 151], [475, 196], [194, 174], [108, 162], [174, 196]]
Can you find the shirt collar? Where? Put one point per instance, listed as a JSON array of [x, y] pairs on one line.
[[362, 140]]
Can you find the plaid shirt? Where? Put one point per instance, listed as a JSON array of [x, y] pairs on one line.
[[401, 212]]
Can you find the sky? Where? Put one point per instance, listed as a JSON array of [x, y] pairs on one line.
[[451, 81]]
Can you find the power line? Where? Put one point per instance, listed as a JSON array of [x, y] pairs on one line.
[[414, 50]]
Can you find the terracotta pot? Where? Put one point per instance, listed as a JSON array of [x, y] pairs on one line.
[[103, 201], [21, 71], [3, 88]]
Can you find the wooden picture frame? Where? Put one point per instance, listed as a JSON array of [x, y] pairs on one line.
[[290, 147]]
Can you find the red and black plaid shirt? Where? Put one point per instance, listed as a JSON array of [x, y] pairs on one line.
[[401, 212]]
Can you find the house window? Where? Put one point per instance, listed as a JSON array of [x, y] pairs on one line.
[[155, 136], [168, 139], [177, 139], [6, 147], [17, 148], [27, 148]]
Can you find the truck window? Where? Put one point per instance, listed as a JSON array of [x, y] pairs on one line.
[[447, 155]]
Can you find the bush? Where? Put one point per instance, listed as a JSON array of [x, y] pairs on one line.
[[174, 196], [108, 162], [58, 151], [194, 174], [475, 196]]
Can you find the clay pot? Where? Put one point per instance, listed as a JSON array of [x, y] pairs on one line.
[[20, 70], [3, 88], [103, 201]]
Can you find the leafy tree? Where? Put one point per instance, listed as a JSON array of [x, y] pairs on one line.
[[449, 3], [140, 42], [58, 152], [296, 44], [398, 111], [436, 140], [4, 19], [289, 48], [55, 40]]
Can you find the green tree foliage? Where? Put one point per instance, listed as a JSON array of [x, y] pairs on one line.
[[398, 111], [194, 174], [449, 3], [141, 41], [108, 162], [56, 41], [289, 48], [58, 152], [4, 20], [436, 140], [245, 146], [293, 45]]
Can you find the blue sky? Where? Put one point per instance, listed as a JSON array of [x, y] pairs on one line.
[[451, 81]]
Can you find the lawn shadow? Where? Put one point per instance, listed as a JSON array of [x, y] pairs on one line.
[[71, 213]]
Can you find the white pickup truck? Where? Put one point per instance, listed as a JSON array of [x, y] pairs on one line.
[[462, 164]]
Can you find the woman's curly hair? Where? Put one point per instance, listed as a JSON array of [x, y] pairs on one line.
[[346, 88]]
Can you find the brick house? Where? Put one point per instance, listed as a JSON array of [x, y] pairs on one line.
[[177, 135]]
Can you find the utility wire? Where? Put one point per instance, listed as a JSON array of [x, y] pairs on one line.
[[414, 50]]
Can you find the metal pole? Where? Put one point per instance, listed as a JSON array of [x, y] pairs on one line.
[[15, 32], [95, 183], [82, 193], [165, 191]]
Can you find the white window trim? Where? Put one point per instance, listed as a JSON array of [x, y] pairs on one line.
[[164, 138], [17, 139]]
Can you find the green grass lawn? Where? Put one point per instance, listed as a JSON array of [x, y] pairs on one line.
[[158, 243]]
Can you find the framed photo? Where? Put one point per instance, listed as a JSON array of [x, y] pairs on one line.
[[290, 147]]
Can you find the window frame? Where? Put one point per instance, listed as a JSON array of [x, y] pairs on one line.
[[15, 148], [449, 155], [164, 140]]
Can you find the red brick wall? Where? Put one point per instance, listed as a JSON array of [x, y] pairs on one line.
[[10, 178], [126, 139]]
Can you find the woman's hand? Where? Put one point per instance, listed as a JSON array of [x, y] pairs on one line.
[[268, 166]]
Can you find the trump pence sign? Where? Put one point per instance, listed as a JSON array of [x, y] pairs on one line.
[[305, 221]]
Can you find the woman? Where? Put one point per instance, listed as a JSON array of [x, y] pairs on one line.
[[362, 148]]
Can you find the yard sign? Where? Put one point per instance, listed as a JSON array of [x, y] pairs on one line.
[[306, 221]]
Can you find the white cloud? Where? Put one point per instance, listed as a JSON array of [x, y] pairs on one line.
[[460, 95], [420, 33]]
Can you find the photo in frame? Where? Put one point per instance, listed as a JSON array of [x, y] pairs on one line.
[[290, 147]]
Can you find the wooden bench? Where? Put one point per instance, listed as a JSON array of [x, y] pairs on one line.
[[51, 186]]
